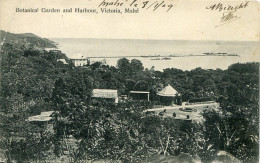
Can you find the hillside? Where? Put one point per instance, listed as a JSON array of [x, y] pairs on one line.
[[27, 40]]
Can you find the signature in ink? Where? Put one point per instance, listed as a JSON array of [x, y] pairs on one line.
[[228, 17]]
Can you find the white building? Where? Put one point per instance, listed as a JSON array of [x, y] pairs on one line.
[[80, 61], [105, 94]]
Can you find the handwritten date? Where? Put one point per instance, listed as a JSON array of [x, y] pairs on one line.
[[147, 5]]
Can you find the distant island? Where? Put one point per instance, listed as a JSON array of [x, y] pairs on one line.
[[220, 54]]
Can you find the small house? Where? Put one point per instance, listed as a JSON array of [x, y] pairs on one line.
[[43, 120], [139, 95], [169, 96], [106, 94]]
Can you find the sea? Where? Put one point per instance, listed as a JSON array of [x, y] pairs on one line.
[[185, 54]]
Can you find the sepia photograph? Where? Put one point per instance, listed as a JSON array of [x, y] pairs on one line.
[[122, 81]]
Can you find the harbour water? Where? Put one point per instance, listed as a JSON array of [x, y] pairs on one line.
[[187, 54]]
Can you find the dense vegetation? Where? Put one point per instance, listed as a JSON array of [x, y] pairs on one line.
[[32, 81], [26, 40]]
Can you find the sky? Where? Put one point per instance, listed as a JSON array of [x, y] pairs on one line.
[[186, 20]]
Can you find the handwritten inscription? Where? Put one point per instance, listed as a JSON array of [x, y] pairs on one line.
[[228, 17], [221, 7], [145, 5], [229, 12]]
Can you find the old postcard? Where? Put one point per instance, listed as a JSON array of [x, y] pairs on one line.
[[129, 81]]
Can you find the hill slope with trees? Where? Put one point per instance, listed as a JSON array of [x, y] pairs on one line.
[[26, 40]]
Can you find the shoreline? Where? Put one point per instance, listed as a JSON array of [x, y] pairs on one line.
[[162, 56]]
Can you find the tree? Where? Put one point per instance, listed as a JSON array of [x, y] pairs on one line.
[[136, 66], [58, 91], [222, 133], [141, 86], [123, 65]]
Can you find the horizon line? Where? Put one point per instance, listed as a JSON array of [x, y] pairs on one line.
[[153, 39], [147, 39]]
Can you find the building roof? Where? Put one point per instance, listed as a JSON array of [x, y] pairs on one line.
[[79, 59], [63, 61], [139, 92], [43, 117], [168, 91], [78, 56], [47, 113], [39, 118], [104, 93]]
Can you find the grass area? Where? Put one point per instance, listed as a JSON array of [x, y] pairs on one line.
[[194, 115]]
